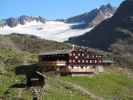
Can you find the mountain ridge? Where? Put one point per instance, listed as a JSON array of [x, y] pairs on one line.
[[94, 17], [14, 21], [57, 30], [109, 30]]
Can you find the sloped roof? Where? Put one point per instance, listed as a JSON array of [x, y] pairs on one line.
[[56, 52], [67, 51]]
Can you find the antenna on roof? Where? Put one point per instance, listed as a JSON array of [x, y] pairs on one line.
[[73, 47]]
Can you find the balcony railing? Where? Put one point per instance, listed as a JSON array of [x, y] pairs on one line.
[[78, 69], [54, 63]]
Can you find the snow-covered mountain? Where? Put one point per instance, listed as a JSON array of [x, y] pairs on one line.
[[57, 30], [50, 30]]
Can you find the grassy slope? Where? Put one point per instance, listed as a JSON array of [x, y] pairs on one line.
[[16, 50], [30, 43], [109, 85], [9, 59], [56, 91]]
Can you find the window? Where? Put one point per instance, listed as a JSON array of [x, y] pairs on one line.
[[90, 61], [95, 61], [100, 61], [78, 61], [70, 61], [73, 54], [87, 61], [73, 61], [76, 57], [83, 61], [69, 67]]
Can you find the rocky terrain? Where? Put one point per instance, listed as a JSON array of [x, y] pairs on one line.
[[94, 17]]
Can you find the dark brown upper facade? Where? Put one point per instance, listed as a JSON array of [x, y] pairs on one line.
[[76, 56]]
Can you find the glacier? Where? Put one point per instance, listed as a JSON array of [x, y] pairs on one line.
[[50, 30]]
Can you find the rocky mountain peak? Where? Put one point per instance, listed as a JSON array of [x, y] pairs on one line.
[[108, 6], [95, 16], [13, 21]]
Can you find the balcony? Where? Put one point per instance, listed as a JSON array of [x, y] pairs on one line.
[[54, 63], [77, 69], [61, 63]]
